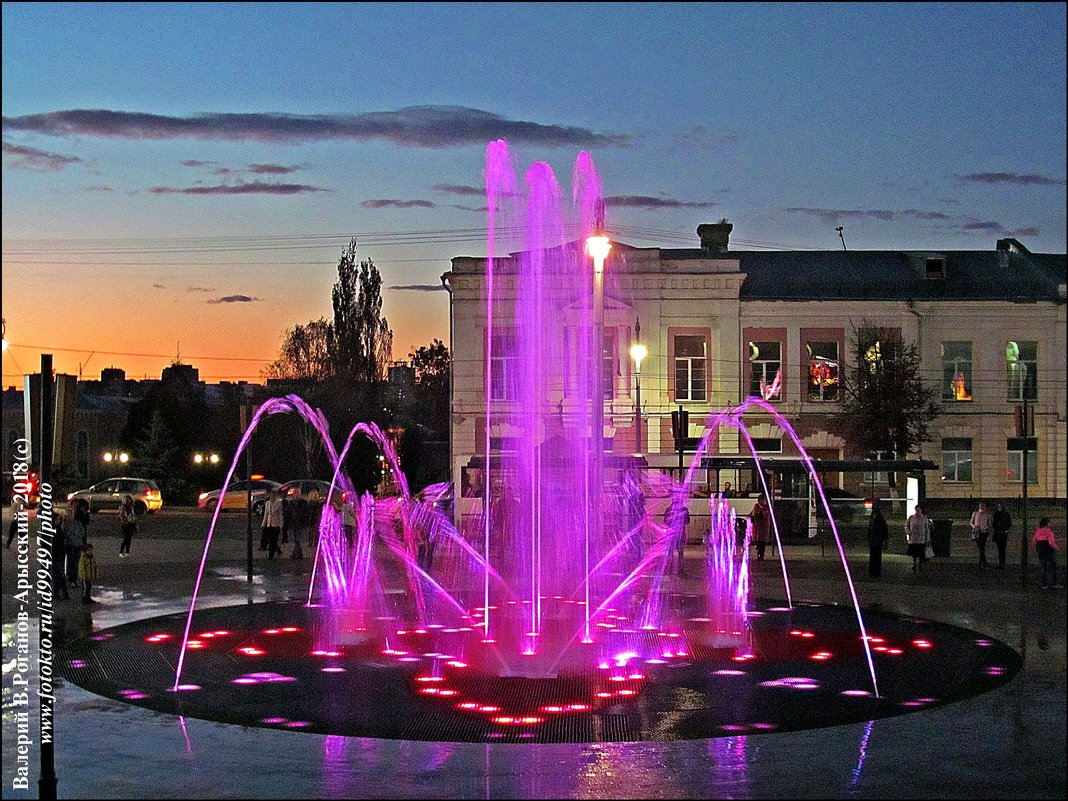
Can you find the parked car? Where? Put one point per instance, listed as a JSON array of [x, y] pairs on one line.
[[236, 496], [308, 489], [109, 494]]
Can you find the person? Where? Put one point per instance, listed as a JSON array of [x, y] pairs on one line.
[[59, 557], [1002, 522], [761, 520], [727, 491], [87, 573], [348, 521], [81, 512], [287, 517], [917, 534], [18, 506], [128, 523], [300, 525], [74, 534], [878, 536], [273, 514], [677, 519], [1046, 547], [981, 525]]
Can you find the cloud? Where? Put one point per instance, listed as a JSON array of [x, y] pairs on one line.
[[832, 216], [195, 163], [30, 158], [993, 227], [648, 202], [419, 288], [1018, 179], [234, 299], [99, 188], [702, 138], [414, 126], [159, 286], [480, 209], [252, 188], [271, 169], [200, 289], [397, 204], [460, 189]]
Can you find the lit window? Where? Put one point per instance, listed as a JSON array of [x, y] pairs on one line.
[[690, 356], [957, 459], [765, 362], [823, 371], [957, 371], [1021, 360]]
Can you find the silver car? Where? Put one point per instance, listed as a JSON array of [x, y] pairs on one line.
[[109, 494]]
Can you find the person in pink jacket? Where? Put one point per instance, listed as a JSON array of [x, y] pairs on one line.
[[1046, 548]]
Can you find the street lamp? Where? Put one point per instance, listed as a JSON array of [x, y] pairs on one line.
[[638, 351]]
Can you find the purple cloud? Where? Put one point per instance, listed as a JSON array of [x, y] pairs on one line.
[[993, 227], [481, 209], [271, 169], [252, 188], [159, 286], [1018, 179], [419, 288], [832, 216], [234, 299], [195, 163], [702, 138], [30, 158], [415, 126], [648, 202], [460, 189], [99, 188], [397, 204], [200, 289]]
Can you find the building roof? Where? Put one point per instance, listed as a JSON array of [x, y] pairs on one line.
[[808, 275]]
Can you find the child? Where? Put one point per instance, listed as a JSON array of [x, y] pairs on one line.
[[87, 573], [1046, 548]]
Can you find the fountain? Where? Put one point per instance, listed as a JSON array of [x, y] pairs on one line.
[[557, 611]]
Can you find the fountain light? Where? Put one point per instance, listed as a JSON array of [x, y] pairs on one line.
[[598, 246]]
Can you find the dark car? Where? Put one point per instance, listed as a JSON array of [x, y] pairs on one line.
[[109, 494]]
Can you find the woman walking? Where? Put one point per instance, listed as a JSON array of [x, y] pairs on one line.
[[128, 524], [878, 535]]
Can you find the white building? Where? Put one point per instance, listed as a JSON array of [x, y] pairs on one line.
[[989, 326]]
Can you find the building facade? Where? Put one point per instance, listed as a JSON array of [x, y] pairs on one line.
[[989, 327]]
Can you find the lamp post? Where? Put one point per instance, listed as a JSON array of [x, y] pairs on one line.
[[597, 246], [638, 351]]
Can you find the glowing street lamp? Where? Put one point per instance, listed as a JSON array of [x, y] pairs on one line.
[[638, 351]]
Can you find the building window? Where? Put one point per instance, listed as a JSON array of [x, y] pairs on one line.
[[957, 371], [824, 374], [957, 459], [504, 368], [935, 269], [1021, 360], [765, 362], [767, 444], [1014, 468], [609, 357], [81, 453], [690, 360]]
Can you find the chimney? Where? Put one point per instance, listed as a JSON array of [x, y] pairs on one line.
[[715, 236]]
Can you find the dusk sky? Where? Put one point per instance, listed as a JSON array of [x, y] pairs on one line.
[[190, 173]]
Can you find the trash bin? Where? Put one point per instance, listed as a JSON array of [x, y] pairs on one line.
[[940, 530]]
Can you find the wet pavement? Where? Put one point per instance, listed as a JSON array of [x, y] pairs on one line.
[[1007, 743]]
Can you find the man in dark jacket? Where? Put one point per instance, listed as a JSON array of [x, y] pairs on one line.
[[1002, 522], [878, 536]]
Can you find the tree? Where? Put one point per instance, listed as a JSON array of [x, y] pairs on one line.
[[362, 342], [888, 406], [305, 352], [433, 364]]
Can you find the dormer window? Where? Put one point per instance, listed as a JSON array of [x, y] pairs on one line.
[[935, 269]]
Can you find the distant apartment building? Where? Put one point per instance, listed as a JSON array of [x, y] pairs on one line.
[[989, 326]]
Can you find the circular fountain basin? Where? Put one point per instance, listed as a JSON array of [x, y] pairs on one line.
[[267, 666]]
